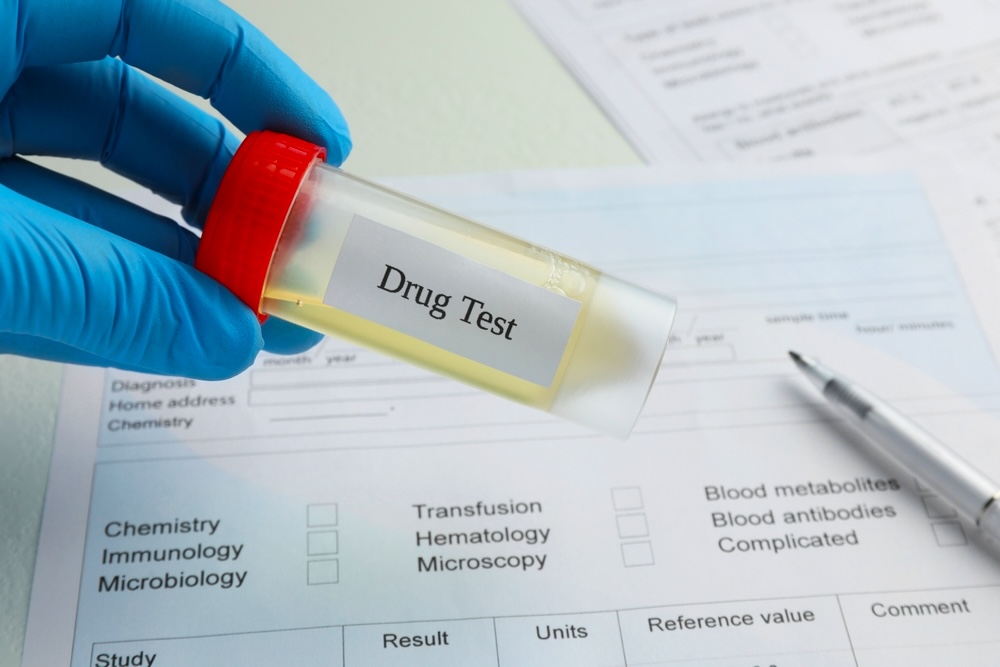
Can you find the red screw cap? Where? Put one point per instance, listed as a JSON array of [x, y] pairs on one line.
[[250, 210]]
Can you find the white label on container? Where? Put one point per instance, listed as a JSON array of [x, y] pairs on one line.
[[415, 287]]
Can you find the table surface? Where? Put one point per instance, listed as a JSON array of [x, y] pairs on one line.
[[429, 87]]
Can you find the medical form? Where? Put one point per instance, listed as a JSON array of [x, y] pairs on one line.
[[338, 508]]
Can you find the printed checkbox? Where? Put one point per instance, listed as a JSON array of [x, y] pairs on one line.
[[322, 543], [938, 509], [632, 525], [637, 554], [627, 498], [950, 534], [322, 572], [318, 516]]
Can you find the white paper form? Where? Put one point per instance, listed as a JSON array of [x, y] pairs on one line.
[[735, 80], [338, 508]]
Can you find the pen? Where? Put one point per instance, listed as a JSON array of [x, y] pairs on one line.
[[973, 494]]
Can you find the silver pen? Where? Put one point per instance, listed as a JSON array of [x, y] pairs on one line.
[[973, 494]]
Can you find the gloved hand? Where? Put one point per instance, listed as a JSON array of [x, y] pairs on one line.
[[86, 277]]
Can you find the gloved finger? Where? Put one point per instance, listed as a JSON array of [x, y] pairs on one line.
[[65, 281], [97, 207], [136, 224], [201, 46], [282, 337], [109, 112], [43, 348], [123, 218]]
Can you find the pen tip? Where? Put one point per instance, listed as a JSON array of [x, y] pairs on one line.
[[796, 357]]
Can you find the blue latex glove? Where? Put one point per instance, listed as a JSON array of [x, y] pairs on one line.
[[86, 277]]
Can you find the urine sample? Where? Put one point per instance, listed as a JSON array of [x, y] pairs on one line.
[[309, 243]]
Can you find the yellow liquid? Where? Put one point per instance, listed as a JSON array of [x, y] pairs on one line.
[[612, 351], [316, 315], [314, 237]]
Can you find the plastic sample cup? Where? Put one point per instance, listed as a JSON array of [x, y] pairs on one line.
[[298, 239]]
